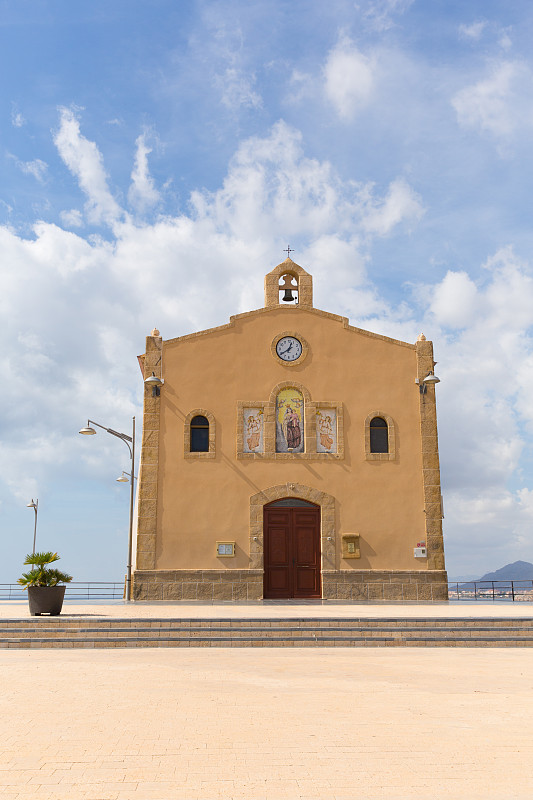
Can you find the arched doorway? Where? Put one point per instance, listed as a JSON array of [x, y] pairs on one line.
[[291, 530]]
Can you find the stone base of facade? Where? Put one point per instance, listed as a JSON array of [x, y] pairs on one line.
[[247, 584], [198, 584], [385, 585]]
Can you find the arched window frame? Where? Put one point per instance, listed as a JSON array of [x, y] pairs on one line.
[[391, 429], [199, 412]]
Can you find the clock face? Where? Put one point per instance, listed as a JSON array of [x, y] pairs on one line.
[[289, 348]]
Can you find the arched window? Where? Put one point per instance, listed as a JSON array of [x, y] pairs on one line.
[[379, 435], [199, 435], [291, 502]]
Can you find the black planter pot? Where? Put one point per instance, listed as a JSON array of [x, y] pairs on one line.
[[46, 600]]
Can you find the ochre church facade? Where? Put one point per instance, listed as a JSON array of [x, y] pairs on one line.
[[289, 455]]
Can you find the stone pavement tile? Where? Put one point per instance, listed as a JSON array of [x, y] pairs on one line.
[[28, 763], [112, 787], [10, 778], [448, 723], [324, 609]]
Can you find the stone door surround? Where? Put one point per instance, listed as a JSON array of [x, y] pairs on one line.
[[297, 490]]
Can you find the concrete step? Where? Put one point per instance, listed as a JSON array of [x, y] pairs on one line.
[[76, 622], [266, 632], [259, 632], [213, 641]]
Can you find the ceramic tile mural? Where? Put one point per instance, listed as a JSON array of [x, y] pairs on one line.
[[253, 430], [290, 421], [326, 430]]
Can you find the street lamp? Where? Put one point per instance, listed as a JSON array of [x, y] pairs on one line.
[[35, 506], [88, 431]]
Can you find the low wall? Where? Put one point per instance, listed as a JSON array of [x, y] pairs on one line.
[[198, 584], [247, 584], [392, 585]]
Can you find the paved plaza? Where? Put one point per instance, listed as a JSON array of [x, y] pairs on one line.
[[18, 609], [263, 724]]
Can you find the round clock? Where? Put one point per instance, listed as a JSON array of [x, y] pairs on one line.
[[289, 348]]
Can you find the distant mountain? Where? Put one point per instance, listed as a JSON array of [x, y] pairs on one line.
[[518, 571]]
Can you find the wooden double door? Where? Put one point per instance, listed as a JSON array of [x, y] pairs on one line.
[[291, 535]]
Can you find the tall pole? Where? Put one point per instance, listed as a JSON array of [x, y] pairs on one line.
[[88, 431], [132, 500], [35, 507]]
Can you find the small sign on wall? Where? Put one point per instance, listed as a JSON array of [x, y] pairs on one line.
[[225, 549], [350, 545]]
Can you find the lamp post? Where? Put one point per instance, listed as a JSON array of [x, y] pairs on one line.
[[35, 506], [88, 431]]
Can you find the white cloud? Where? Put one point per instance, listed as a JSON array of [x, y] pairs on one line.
[[499, 103], [223, 44], [85, 161], [72, 218], [142, 193], [401, 203], [17, 120], [348, 79], [484, 347], [37, 168], [301, 87], [473, 31], [272, 186], [505, 40], [491, 528], [236, 89], [379, 14], [454, 300]]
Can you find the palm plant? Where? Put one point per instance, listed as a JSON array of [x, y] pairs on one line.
[[40, 575]]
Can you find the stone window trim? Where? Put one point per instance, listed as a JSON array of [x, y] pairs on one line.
[[299, 361], [199, 412], [391, 426], [327, 520], [269, 427]]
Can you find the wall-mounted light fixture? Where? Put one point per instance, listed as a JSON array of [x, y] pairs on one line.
[[155, 383], [430, 379]]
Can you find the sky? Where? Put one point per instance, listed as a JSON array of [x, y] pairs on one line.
[[156, 158]]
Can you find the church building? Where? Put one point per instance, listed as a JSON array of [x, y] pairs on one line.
[[289, 455]]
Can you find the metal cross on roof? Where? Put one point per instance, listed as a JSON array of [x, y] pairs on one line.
[[288, 250]]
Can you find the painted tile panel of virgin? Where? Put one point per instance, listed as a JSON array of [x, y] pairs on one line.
[[290, 421]]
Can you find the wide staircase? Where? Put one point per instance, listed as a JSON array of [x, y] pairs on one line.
[[79, 632]]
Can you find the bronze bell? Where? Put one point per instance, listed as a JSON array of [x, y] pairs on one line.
[[287, 297]]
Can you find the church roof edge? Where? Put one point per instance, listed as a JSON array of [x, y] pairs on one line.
[[310, 309]]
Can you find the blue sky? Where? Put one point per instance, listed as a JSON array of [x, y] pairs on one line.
[[156, 159]]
